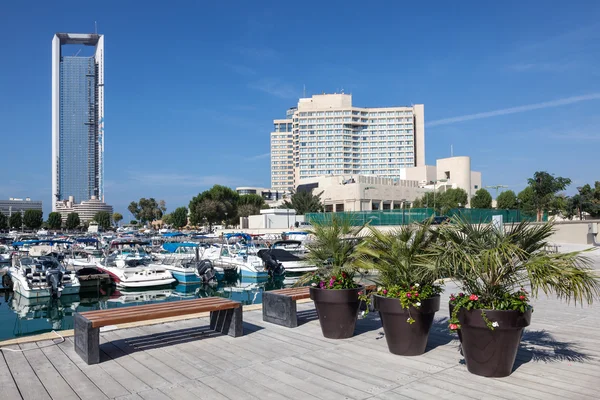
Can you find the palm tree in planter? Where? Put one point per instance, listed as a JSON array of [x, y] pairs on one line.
[[333, 288], [407, 297], [493, 267]]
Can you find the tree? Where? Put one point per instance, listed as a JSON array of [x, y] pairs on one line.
[[451, 198], [304, 201], [3, 222], [214, 206], [133, 222], [545, 187], [179, 217], [117, 217], [167, 219], [482, 199], [16, 220], [103, 219], [33, 219], [526, 202], [147, 209], [506, 200], [54, 220], [72, 221], [250, 204], [424, 202]]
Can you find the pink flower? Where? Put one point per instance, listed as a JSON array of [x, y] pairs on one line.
[[407, 294], [452, 298], [453, 327], [461, 295], [416, 294], [473, 297], [384, 291], [521, 297], [322, 285]]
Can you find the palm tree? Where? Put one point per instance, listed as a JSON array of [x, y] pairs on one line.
[[493, 263], [332, 246], [403, 256]]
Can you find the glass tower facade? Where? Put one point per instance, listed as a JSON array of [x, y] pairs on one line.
[[77, 119], [78, 151]]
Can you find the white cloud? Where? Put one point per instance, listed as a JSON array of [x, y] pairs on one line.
[[259, 157], [275, 87], [515, 110]]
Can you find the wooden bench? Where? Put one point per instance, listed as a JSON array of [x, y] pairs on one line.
[[279, 306], [225, 317]]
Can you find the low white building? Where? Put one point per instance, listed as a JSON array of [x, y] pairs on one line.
[[86, 209], [273, 218], [273, 197]]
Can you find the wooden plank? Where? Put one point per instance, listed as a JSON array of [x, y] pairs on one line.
[[343, 376], [284, 390], [53, 382], [231, 379], [177, 392], [292, 380], [8, 386], [311, 378], [79, 382], [25, 378], [202, 391], [154, 394], [146, 359], [178, 364], [133, 366], [103, 380], [206, 301]]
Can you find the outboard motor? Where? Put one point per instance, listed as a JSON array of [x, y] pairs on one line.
[[54, 280], [205, 271], [274, 267]]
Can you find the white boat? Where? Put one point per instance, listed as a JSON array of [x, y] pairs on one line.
[[295, 247], [183, 260], [291, 262], [128, 265], [53, 311], [240, 256], [42, 276], [139, 296]]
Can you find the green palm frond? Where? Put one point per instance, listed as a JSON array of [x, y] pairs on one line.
[[491, 262], [403, 256]]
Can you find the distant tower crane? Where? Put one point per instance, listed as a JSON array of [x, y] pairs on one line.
[[496, 187]]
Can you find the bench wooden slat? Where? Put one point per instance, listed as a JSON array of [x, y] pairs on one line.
[[291, 290], [154, 307], [135, 317]]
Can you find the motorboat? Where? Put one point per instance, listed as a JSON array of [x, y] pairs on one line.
[[277, 257], [128, 265], [183, 261], [241, 256], [42, 276], [295, 247]]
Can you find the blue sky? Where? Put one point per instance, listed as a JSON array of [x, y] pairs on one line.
[[192, 87]]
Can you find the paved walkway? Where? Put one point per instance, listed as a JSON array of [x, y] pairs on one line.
[[559, 359]]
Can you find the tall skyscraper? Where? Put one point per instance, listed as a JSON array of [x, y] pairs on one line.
[[77, 119], [327, 135]]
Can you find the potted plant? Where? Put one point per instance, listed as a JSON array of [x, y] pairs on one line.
[[407, 297], [333, 288], [494, 266]]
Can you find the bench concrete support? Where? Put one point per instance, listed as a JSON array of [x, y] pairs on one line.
[[87, 340], [227, 321], [279, 309]]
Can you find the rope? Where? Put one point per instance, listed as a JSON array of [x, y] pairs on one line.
[[39, 347]]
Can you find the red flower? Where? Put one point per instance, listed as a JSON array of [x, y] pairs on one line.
[[521, 297], [384, 291], [453, 327], [461, 295], [407, 294], [416, 294], [473, 297], [333, 277], [344, 275]]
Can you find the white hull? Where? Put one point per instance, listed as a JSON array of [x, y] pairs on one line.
[[21, 287], [298, 266], [138, 277]]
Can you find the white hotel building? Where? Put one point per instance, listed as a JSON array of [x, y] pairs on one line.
[[326, 135]]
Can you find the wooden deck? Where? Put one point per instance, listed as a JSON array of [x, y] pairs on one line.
[[559, 359]]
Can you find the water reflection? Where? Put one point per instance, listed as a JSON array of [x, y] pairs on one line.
[[23, 316]]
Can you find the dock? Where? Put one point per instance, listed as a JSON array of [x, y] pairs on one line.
[[559, 359]]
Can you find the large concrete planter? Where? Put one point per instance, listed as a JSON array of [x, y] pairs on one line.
[[487, 352], [337, 310], [403, 338]]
